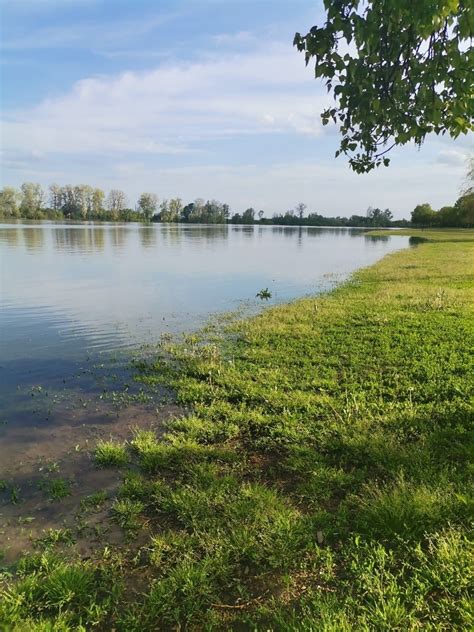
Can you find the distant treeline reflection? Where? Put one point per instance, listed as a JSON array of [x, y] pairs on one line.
[[97, 237]]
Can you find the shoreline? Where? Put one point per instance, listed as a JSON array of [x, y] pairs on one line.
[[319, 480]]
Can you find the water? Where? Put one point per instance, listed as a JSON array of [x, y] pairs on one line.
[[72, 293]]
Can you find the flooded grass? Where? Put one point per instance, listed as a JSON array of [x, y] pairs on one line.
[[320, 479]]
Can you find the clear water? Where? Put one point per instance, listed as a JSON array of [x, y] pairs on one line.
[[76, 291]]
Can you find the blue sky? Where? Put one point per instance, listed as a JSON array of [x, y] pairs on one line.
[[201, 98]]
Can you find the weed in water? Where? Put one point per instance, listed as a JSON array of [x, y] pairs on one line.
[[55, 488], [94, 501]]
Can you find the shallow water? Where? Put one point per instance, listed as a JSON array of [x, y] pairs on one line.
[[72, 295]]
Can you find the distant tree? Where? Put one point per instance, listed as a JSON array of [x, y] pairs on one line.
[[32, 199], [98, 199], [377, 217], [9, 202], [248, 216], [260, 215], [300, 209], [469, 181], [55, 197], [448, 216], [398, 70], [423, 215], [175, 208], [236, 218], [84, 194], [116, 202], [186, 212], [465, 207], [148, 205]]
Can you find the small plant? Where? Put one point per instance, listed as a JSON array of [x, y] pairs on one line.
[[57, 536], [56, 488], [264, 294], [126, 513], [14, 494], [143, 440], [94, 501], [49, 466], [110, 453]]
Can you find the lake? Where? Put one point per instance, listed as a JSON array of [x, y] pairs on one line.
[[77, 293]]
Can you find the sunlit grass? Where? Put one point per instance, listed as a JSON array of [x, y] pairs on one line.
[[110, 454]]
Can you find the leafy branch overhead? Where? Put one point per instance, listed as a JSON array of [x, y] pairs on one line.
[[398, 70]]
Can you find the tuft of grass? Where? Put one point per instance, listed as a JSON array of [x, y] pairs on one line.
[[126, 513], [52, 594], [94, 501], [56, 536], [110, 454], [56, 488]]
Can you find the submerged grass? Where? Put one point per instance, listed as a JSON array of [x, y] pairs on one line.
[[321, 480]]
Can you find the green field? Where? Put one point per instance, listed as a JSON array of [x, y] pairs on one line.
[[320, 480]]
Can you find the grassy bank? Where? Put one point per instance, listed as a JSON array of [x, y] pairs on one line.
[[429, 234], [320, 480]]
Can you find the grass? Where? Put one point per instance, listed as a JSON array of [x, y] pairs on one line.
[[430, 234], [56, 536], [94, 501], [110, 454], [321, 479], [55, 488]]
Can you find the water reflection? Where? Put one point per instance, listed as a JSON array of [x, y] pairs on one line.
[[148, 235], [376, 238], [118, 237], [66, 288], [33, 238], [84, 239]]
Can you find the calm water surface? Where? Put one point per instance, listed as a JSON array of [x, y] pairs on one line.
[[76, 291]]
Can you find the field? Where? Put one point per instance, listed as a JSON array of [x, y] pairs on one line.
[[319, 477]]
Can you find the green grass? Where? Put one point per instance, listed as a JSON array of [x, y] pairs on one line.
[[321, 479], [94, 501], [55, 488], [430, 234], [56, 536], [110, 454]]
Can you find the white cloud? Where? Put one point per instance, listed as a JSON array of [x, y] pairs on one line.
[[111, 130], [452, 157], [166, 109]]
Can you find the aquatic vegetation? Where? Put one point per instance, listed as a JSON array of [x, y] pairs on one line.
[[55, 488], [94, 501], [264, 294]]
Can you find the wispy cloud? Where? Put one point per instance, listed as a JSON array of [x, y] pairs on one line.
[[87, 34], [452, 157], [173, 107]]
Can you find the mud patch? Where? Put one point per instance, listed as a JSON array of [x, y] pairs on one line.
[[46, 470]]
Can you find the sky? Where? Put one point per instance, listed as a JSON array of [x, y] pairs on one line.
[[191, 98]]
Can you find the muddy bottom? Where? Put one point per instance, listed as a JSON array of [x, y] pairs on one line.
[[46, 470]]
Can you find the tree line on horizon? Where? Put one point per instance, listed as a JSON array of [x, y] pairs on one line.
[[83, 202]]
